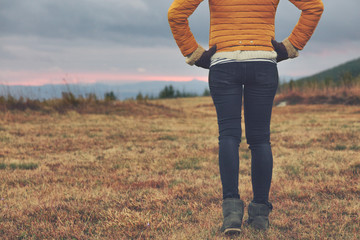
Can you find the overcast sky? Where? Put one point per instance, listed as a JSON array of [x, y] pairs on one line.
[[52, 41]]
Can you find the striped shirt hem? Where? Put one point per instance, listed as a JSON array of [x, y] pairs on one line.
[[227, 60]]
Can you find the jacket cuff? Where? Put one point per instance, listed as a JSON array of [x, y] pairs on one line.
[[291, 50], [192, 58]]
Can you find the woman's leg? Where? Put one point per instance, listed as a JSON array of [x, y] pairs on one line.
[[226, 91], [259, 91]]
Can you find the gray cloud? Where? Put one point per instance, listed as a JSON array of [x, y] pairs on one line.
[[339, 22], [146, 21], [128, 35], [102, 20]]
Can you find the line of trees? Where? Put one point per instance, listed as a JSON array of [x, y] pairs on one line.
[[170, 92]]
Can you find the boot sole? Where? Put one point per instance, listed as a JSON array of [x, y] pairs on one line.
[[259, 227], [230, 231]]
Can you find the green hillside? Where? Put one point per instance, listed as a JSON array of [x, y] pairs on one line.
[[338, 85], [351, 68]]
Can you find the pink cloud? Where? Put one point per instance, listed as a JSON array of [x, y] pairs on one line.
[[37, 79]]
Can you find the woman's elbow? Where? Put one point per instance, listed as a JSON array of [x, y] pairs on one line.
[[320, 7], [171, 14]]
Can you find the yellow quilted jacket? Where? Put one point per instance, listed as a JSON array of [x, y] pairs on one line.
[[242, 24]]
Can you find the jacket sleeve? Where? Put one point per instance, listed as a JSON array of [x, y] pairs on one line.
[[310, 16], [178, 15]]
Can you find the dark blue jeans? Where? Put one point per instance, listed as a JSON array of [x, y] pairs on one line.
[[257, 82]]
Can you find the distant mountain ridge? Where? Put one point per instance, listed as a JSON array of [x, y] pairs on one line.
[[121, 91], [351, 67]]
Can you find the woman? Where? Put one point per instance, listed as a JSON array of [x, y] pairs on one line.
[[242, 61]]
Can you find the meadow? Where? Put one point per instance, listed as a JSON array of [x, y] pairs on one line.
[[149, 170]]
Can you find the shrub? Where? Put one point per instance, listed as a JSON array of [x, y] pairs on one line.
[[110, 96], [69, 98], [2, 165], [24, 166]]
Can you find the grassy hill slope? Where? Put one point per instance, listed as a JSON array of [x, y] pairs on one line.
[[338, 85], [336, 73]]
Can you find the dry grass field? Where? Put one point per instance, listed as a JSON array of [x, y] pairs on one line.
[[150, 171]]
